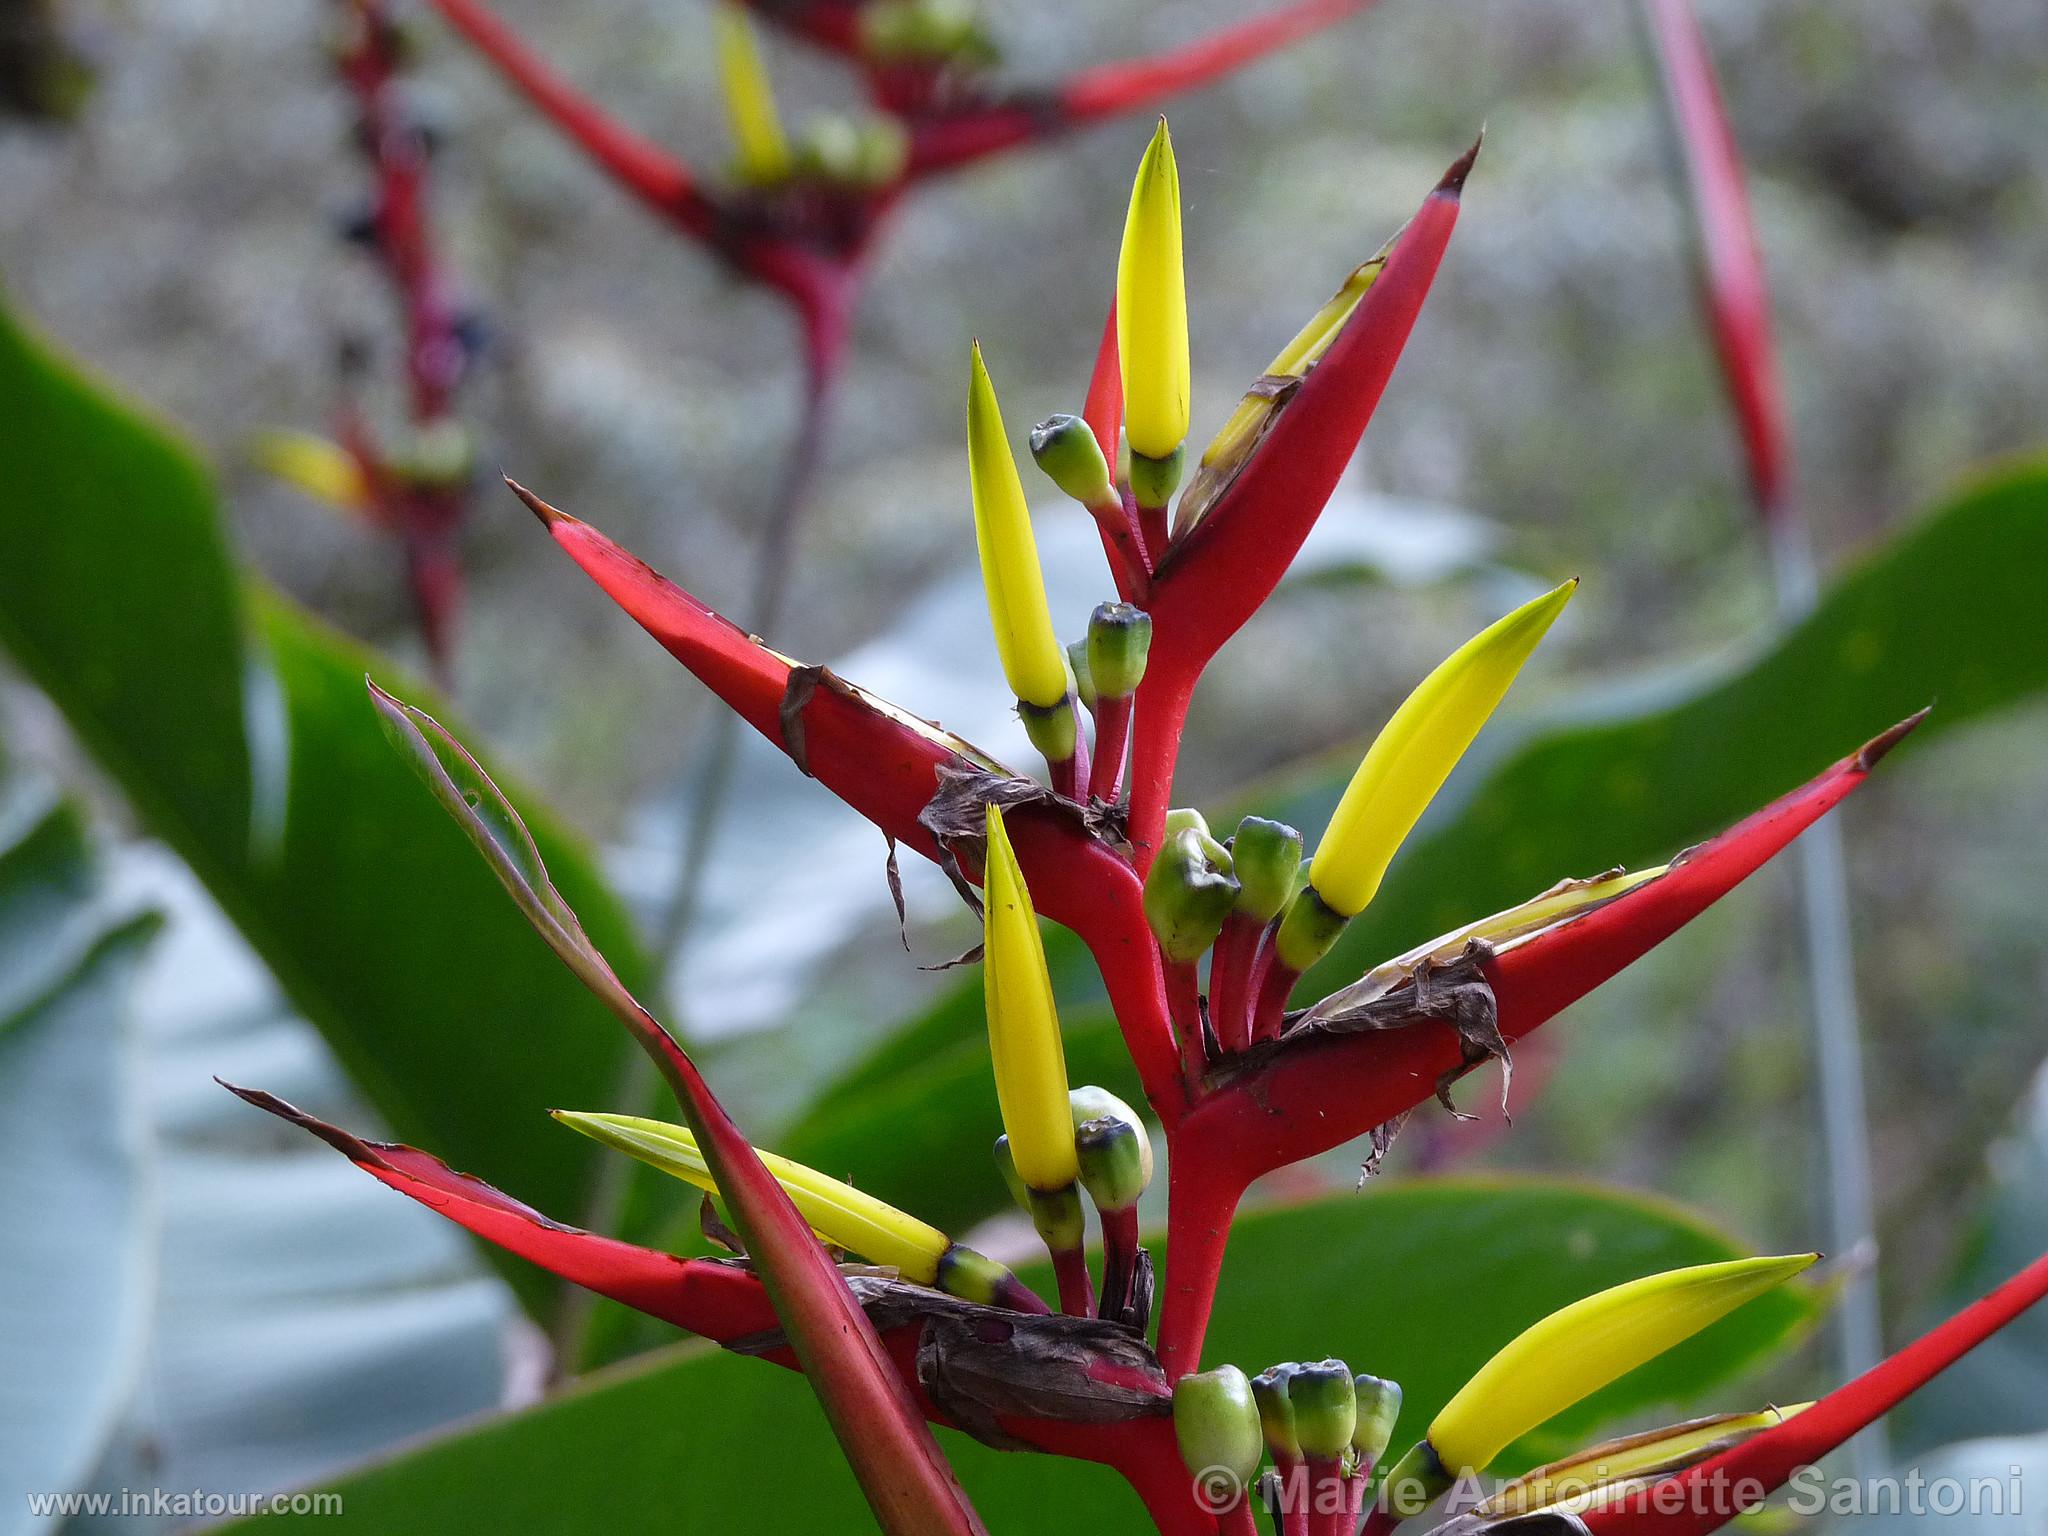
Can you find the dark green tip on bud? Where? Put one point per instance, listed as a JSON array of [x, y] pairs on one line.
[[1119, 640], [1325, 1407], [1270, 1390], [1116, 1162], [1065, 448], [1308, 930], [1153, 480], [973, 1276], [1414, 1481], [1266, 858], [1189, 893], [1216, 1423], [1379, 1410], [1052, 730]]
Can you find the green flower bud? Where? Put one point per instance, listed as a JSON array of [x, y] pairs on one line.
[[1308, 930], [1056, 1213], [1270, 1390], [1089, 1102], [1153, 480], [1066, 449], [1119, 639], [1325, 1407], [1084, 684], [1379, 1410], [1188, 894], [1216, 1422], [1266, 858], [973, 1276], [1006, 1165], [1116, 1162], [1051, 729], [1416, 1479]]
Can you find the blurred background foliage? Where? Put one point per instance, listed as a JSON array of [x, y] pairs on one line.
[[1557, 412]]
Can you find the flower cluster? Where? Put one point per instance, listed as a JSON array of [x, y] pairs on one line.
[[1201, 941]]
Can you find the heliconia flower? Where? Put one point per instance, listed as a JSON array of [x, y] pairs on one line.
[[1152, 310], [1239, 436], [1023, 1027], [324, 470], [1216, 1423], [1119, 640], [1033, 662], [843, 1216], [1188, 894], [1576, 1351], [760, 148], [1410, 759], [1579, 1479]]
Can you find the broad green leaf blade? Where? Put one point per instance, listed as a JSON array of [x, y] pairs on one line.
[[118, 597], [1419, 1282], [75, 1202], [1627, 778]]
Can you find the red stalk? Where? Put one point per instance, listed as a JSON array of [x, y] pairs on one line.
[[1077, 1290], [1328, 1509], [1319, 1091], [1230, 969], [1716, 1491], [1104, 408], [1119, 1259], [1225, 567], [1112, 739], [1269, 1002], [1733, 287], [1294, 1495], [1184, 1007], [641, 166], [1160, 716]]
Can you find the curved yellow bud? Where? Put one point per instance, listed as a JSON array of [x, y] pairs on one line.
[[1033, 661], [1410, 759], [1023, 1026], [325, 471], [838, 1213], [1576, 1351], [760, 148], [1152, 307], [1579, 1481]]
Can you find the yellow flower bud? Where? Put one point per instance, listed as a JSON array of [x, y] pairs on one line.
[[1152, 308], [1576, 1351], [1409, 761], [840, 1214], [325, 471], [760, 148], [1033, 661], [1023, 1027]]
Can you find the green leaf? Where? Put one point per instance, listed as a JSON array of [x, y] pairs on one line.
[[239, 729], [75, 1200], [1420, 1282], [1629, 777]]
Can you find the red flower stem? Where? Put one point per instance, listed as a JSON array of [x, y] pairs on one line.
[[1238, 1520], [1163, 1481], [1077, 1291], [1184, 1007], [1152, 531], [1328, 1509], [1354, 1495], [1119, 1259], [1203, 1189], [1230, 971], [1276, 985], [1379, 1521], [642, 167], [1112, 739], [1294, 1495], [1714, 1488], [1160, 716]]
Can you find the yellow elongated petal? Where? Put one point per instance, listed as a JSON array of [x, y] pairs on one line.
[[1563, 901], [325, 471], [1033, 662], [837, 1212], [1023, 1027], [1152, 307], [760, 147], [1409, 761], [1578, 1480], [1580, 1349]]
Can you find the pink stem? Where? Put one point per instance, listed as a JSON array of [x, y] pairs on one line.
[[1276, 985], [1112, 737], [1077, 1291], [1328, 1508], [1230, 970], [1184, 1004], [1119, 1259]]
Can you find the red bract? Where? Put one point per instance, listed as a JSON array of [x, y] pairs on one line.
[[1731, 269]]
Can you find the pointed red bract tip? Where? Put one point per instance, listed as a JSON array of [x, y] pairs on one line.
[[1875, 750], [548, 515], [1453, 181]]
